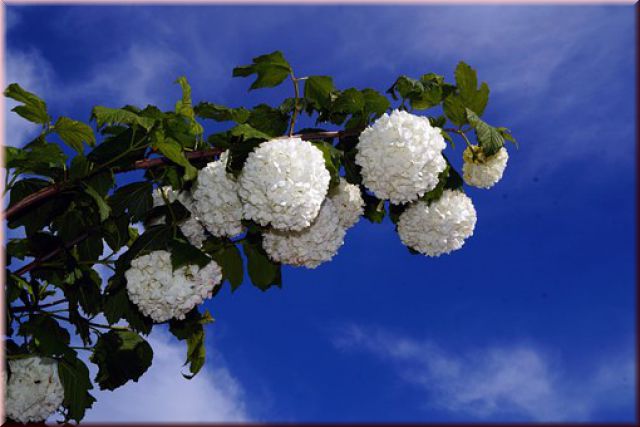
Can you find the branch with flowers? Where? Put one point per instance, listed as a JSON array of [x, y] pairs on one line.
[[259, 194]]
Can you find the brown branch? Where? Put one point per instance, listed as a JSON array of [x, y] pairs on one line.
[[48, 192], [36, 307], [32, 199], [36, 263]]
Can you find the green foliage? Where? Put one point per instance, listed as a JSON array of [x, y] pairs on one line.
[[318, 91], [263, 272], [467, 96], [271, 70], [229, 259], [33, 109], [121, 356], [61, 293], [489, 138], [374, 209], [191, 330], [105, 116], [75, 379], [74, 133]]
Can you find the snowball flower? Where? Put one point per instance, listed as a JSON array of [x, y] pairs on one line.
[[440, 227], [283, 183], [161, 293], [215, 199], [348, 202], [482, 171], [191, 227], [309, 247], [34, 390], [400, 156]]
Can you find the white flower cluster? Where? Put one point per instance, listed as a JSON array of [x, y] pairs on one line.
[[216, 200], [348, 202], [483, 172], [283, 183], [311, 246], [400, 156], [34, 390], [161, 293], [440, 227], [191, 227]]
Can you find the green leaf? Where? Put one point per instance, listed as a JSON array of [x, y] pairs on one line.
[[116, 232], [489, 138], [248, 132], [51, 339], [436, 193], [332, 157], [230, 260], [271, 70], [184, 253], [270, 121], [74, 133], [33, 109], [38, 157], [121, 356], [374, 209], [135, 198], [467, 82], [114, 116], [172, 149], [120, 150], [153, 239], [101, 203], [453, 108], [318, 90], [90, 248], [262, 271], [350, 101], [506, 134], [117, 305], [184, 107], [75, 379], [374, 102], [191, 329], [220, 113]]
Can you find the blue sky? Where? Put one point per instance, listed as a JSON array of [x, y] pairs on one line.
[[532, 320]]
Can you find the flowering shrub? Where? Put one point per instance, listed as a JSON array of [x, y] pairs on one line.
[[106, 261]]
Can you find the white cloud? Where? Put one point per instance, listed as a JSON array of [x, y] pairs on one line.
[[163, 395], [518, 382], [31, 71]]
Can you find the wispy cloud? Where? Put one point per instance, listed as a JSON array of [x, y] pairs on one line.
[[163, 395], [515, 382], [34, 74]]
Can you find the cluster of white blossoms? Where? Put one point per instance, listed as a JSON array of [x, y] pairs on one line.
[[481, 171], [440, 227], [348, 202], [283, 184], [401, 156], [34, 390], [310, 247], [191, 227], [163, 294], [216, 201]]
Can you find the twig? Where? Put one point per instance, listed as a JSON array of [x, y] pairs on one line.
[[36, 307], [296, 107], [36, 263]]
